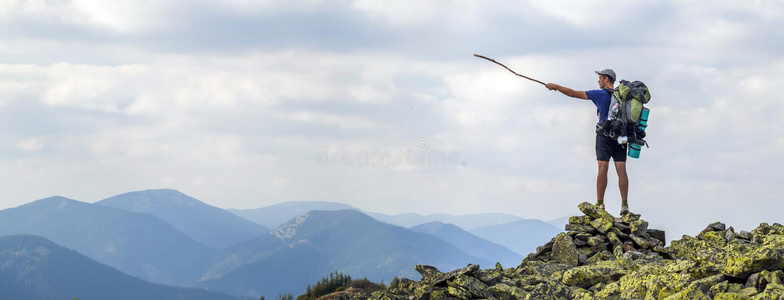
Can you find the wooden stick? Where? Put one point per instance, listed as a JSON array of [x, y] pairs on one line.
[[510, 70]]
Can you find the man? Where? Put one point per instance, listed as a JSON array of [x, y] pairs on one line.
[[606, 147]]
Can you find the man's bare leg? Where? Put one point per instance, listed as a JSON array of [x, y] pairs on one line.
[[623, 181], [601, 179]]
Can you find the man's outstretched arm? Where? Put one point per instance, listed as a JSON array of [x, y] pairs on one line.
[[567, 91]]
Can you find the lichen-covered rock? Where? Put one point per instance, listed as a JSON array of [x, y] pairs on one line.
[[429, 273], [717, 226], [698, 289], [730, 296], [614, 239], [490, 276], [630, 217], [610, 291], [714, 238], [550, 290], [744, 235], [580, 220], [504, 291], [564, 250], [595, 212], [775, 293], [596, 240], [748, 292], [474, 286], [542, 269], [579, 293], [657, 234], [349, 293], [655, 284], [588, 276], [580, 228], [602, 225], [432, 276], [744, 263], [719, 288], [601, 257], [458, 292], [640, 241], [638, 227]]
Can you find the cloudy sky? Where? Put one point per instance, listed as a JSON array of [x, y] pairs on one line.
[[381, 105]]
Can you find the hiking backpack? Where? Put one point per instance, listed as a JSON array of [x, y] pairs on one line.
[[626, 106]]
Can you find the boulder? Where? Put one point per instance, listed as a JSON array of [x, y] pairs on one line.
[[742, 264], [580, 220], [564, 250], [638, 227], [657, 234], [579, 228], [475, 287], [717, 226], [503, 291], [588, 276], [630, 217], [602, 225], [595, 212], [550, 290]]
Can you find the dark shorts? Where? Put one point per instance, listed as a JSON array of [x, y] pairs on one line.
[[607, 147]]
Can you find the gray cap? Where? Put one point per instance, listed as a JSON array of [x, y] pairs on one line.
[[608, 72]]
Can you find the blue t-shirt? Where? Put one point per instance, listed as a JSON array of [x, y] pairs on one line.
[[601, 99]]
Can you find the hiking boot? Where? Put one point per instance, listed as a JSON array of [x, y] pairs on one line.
[[624, 210], [600, 205]]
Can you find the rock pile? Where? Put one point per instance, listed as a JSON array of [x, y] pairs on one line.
[[602, 257], [590, 238]]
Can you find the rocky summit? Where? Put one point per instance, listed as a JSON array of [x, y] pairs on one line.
[[603, 257]]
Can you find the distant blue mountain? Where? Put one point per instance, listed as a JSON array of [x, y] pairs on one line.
[[312, 245], [560, 222], [209, 225], [521, 236], [138, 244], [135, 233], [470, 243], [32, 267], [467, 222], [274, 215]]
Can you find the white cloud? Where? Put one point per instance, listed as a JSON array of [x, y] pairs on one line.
[[92, 87], [405, 13], [281, 181], [30, 144], [121, 16], [13, 91], [343, 122], [581, 13], [143, 92]]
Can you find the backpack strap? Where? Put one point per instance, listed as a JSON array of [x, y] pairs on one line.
[[610, 91]]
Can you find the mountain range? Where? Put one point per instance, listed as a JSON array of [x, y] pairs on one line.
[[138, 244], [167, 237], [277, 214], [274, 215], [501, 229], [320, 242], [32, 267], [466, 222], [522, 236], [208, 225], [469, 243]]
